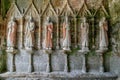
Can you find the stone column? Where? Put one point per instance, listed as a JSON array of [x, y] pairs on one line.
[[83, 54], [30, 66], [100, 54], [58, 32], [66, 56], [12, 62], [93, 33], [48, 69], [30, 63], [40, 34], [66, 63], [75, 22], [22, 32], [48, 53], [101, 69], [12, 59], [84, 63]]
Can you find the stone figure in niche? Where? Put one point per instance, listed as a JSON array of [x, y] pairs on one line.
[[29, 33], [48, 34], [66, 35], [12, 32], [84, 34], [103, 26]]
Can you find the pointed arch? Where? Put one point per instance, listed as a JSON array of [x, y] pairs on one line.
[[67, 8], [49, 7], [84, 10], [31, 9], [14, 11]]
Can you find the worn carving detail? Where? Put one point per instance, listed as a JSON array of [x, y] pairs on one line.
[[12, 32], [84, 35], [48, 33], [66, 35], [29, 33], [103, 34]]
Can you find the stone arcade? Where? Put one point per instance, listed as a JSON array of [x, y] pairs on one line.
[[40, 43]]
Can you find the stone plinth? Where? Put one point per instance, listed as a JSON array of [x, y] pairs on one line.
[[58, 76]]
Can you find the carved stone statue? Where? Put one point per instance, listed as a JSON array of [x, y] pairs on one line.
[[66, 35], [11, 35], [48, 32], [103, 26], [84, 34], [29, 33]]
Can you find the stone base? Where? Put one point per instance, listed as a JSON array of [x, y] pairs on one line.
[[58, 76]]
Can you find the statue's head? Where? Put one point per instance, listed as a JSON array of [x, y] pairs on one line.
[[48, 19], [12, 18], [84, 19], [103, 19], [66, 19], [30, 18]]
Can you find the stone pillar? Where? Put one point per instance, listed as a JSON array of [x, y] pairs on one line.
[[48, 52], [66, 63], [100, 54], [12, 59], [48, 69], [83, 54], [66, 56], [75, 22], [22, 33], [93, 33], [58, 32], [12, 62], [84, 63], [40, 34], [30, 66]]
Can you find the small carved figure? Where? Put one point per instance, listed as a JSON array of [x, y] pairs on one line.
[[84, 34], [48, 30], [103, 26], [66, 35], [11, 35], [29, 33]]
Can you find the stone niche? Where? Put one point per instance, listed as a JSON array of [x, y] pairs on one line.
[[39, 63]]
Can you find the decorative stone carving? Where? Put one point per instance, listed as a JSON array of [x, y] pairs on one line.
[[103, 26], [48, 32], [29, 34], [66, 35], [11, 35], [84, 35]]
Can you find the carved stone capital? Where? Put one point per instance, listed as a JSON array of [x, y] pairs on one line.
[[12, 51]]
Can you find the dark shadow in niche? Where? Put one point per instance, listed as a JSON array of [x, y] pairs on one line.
[[106, 62]]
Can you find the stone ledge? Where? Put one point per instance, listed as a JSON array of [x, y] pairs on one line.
[[58, 76]]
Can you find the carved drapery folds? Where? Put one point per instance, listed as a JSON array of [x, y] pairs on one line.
[[57, 19]]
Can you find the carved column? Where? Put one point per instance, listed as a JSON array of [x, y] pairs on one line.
[[30, 66], [101, 63], [66, 63], [58, 32], [93, 33], [84, 63], [100, 54], [22, 32], [83, 54], [48, 69], [40, 34], [12, 62], [12, 59], [75, 24]]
